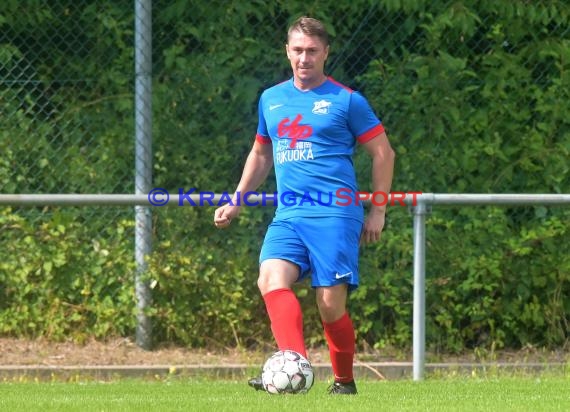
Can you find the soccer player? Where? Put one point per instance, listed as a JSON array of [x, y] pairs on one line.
[[308, 128]]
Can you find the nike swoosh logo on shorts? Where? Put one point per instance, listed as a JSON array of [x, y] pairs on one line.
[[274, 106], [339, 276]]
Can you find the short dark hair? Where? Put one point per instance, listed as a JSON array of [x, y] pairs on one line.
[[310, 27]]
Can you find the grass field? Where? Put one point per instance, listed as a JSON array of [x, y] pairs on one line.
[[458, 394]]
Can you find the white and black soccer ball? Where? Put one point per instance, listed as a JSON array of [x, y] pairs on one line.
[[287, 372]]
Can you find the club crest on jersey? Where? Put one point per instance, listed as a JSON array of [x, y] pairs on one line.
[[321, 107]]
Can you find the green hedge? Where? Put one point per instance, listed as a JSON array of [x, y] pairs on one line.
[[475, 99]]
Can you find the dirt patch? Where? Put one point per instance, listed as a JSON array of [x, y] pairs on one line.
[[126, 352], [121, 352], [115, 352]]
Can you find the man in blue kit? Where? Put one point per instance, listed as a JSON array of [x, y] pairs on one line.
[[308, 128]]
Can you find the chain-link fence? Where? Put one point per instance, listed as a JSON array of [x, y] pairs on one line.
[[68, 69], [64, 67], [441, 74]]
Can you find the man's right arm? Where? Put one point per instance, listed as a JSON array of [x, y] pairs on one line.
[[257, 166]]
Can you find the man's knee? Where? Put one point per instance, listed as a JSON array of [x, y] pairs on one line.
[[264, 282], [276, 274]]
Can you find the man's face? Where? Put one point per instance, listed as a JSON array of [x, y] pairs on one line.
[[307, 55]]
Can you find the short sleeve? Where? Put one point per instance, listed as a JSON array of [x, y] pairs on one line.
[[262, 135], [362, 121]]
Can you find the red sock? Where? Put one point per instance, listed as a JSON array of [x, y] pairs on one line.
[[284, 311], [341, 339]]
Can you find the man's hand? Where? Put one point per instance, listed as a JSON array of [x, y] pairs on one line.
[[223, 215], [373, 225]]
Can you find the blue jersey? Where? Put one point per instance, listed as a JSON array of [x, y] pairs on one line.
[[313, 134]]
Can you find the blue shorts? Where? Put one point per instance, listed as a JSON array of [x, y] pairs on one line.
[[326, 248]]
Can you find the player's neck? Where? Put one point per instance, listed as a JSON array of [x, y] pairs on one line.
[[311, 84]]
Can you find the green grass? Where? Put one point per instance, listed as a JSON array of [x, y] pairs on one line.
[[458, 394]]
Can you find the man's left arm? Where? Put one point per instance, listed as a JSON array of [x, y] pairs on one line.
[[383, 158]]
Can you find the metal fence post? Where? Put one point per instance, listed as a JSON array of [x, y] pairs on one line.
[[419, 336], [143, 164]]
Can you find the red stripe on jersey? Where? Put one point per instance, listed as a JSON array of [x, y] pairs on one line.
[[262, 139], [340, 85], [370, 134]]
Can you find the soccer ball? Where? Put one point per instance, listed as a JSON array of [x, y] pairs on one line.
[[287, 372]]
